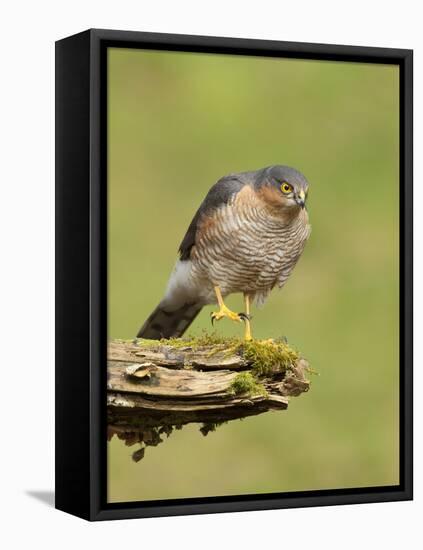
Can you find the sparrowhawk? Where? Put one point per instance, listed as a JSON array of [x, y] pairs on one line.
[[246, 237]]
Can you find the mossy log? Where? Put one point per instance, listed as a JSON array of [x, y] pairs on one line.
[[156, 384]]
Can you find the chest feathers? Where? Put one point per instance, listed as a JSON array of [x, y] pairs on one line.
[[247, 246]]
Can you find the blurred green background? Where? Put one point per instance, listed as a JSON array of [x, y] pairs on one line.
[[178, 122]]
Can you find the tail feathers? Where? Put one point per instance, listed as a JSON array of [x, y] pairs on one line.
[[165, 323]]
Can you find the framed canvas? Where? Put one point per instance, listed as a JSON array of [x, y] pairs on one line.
[[233, 274]]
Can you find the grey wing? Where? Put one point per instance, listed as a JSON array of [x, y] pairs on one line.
[[219, 194]]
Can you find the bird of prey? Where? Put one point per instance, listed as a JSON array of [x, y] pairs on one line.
[[246, 237]]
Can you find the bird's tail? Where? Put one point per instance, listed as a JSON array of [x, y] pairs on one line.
[[169, 323]]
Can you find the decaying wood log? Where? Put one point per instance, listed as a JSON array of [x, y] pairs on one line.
[[155, 387]]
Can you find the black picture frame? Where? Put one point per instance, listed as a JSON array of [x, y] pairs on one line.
[[81, 274]]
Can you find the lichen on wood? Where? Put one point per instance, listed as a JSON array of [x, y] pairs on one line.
[[155, 387]]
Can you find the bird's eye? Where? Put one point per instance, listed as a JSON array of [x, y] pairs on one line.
[[286, 188]]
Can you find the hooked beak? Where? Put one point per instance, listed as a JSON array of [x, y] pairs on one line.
[[300, 199]]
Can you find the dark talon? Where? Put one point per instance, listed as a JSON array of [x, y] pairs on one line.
[[245, 316], [212, 318]]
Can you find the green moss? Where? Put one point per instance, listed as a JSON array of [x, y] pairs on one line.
[[266, 357], [206, 339], [269, 356], [246, 383], [145, 342]]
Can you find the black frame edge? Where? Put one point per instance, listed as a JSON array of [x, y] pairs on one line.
[[406, 275], [72, 174], [249, 46], [218, 505]]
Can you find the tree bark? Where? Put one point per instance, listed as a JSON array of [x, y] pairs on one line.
[[155, 388], [160, 385]]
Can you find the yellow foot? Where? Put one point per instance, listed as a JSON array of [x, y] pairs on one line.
[[226, 312], [247, 334]]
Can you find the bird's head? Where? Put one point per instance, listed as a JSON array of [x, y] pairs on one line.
[[283, 187]]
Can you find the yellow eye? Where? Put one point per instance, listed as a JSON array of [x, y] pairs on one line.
[[286, 188]]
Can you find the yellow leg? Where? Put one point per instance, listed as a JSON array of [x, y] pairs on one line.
[[223, 310], [247, 335]]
